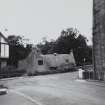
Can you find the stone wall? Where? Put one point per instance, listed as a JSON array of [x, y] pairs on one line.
[[99, 38]]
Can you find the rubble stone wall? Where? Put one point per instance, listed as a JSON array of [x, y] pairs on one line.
[[99, 37]]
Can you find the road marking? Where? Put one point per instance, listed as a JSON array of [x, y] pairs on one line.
[[27, 97]]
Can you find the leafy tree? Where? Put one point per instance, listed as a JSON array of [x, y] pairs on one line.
[[17, 50], [45, 48], [66, 41], [80, 50], [70, 39]]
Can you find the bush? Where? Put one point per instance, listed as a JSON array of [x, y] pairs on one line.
[[11, 71]]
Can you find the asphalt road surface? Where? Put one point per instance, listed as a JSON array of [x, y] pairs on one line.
[[57, 89]]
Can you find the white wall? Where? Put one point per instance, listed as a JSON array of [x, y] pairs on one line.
[[4, 49]]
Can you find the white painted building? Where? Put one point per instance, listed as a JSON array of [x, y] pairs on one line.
[[36, 62], [4, 50]]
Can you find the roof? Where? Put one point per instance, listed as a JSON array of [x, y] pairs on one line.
[[59, 59], [4, 37]]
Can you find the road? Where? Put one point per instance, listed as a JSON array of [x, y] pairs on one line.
[[56, 89]]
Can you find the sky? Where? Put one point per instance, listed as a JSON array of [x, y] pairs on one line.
[[35, 19]]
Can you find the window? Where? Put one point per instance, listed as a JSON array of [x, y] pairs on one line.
[[40, 62], [66, 60], [4, 50], [53, 68]]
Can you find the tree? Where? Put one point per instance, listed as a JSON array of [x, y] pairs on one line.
[[17, 50], [66, 41], [80, 50], [70, 39], [45, 47]]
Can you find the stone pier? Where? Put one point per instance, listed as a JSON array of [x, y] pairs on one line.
[[99, 38]]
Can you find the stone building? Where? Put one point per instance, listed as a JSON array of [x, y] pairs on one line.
[[37, 62], [99, 38]]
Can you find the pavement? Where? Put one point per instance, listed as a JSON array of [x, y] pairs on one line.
[[56, 89]]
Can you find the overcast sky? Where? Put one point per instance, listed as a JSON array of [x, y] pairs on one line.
[[36, 19]]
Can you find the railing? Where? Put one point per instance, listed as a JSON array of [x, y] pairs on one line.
[[88, 73]]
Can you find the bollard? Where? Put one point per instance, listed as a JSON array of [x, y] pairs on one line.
[[80, 72]]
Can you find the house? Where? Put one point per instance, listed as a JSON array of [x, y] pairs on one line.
[[36, 62], [4, 50]]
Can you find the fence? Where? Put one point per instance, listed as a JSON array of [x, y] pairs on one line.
[[88, 73]]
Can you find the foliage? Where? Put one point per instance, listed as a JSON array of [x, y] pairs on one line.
[[11, 71], [70, 39], [17, 50]]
